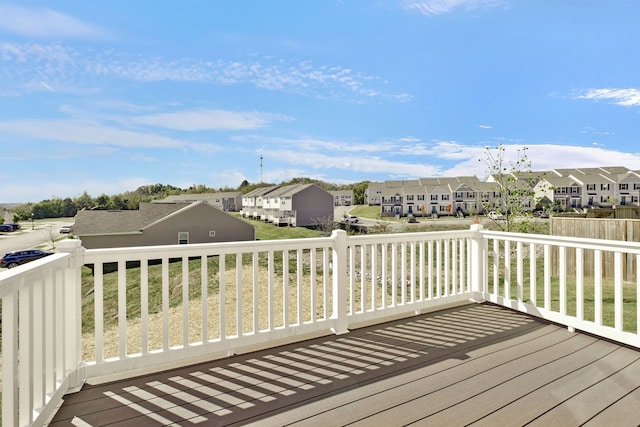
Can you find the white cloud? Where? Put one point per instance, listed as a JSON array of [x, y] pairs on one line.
[[447, 150], [440, 7], [64, 69], [94, 133], [548, 157], [317, 161], [44, 23], [209, 119], [625, 97]]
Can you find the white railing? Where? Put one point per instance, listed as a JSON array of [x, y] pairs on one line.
[[580, 283], [261, 292], [41, 333], [149, 308]]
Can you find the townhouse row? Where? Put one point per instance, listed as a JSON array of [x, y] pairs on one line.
[[565, 189]]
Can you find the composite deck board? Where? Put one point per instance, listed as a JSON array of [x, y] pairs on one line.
[[433, 376], [526, 407], [477, 363]]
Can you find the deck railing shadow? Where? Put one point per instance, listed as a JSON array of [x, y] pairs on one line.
[[264, 384]]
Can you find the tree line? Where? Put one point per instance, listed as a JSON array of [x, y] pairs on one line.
[[130, 200]]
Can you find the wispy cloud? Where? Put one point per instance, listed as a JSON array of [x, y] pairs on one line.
[[625, 97], [353, 163], [94, 133], [209, 120], [440, 7], [66, 69], [44, 23]]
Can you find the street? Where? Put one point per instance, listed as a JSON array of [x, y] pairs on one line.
[[40, 237]]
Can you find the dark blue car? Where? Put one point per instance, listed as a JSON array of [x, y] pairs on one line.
[[9, 227], [16, 258]]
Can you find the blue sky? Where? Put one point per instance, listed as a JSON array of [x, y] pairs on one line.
[[107, 96]]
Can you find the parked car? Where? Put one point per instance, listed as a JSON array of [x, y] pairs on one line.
[[496, 216], [16, 258], [350, 219], [411, 218], [66, 229], [6, 228]]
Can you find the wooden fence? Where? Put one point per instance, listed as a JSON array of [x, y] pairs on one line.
[[627, 230]]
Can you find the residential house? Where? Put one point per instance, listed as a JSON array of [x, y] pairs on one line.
[[225, 201], [391, 200], [599, 185], [373, 194], [253, 201], [160, 224], [413, 198], [342, 197], [565, 191], [628, 188], [298, 205]]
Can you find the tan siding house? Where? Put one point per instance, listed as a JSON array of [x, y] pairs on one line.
[[160, 224]]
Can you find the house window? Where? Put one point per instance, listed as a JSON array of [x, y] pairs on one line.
[[183, 238], [420, 196], [591, 187], [604, 186], [410, 197], [623, 186], [212, 233], [445, 197], [434, 197]]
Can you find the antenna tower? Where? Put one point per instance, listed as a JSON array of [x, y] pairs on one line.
[[261, 168]]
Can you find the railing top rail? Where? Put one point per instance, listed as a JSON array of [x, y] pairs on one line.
[[417, 236], [572, 242], [199, 249], [13, 279]]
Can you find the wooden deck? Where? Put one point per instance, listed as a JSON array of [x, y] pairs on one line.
[[476, 364]]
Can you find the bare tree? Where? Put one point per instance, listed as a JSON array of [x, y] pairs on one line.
[[514, 188], [52, 235], [325, 225]]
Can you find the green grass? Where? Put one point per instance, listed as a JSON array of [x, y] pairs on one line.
[[629, 294], [365, 211], [266, 231]]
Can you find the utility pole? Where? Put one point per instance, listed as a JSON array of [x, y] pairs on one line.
[[261, 168]]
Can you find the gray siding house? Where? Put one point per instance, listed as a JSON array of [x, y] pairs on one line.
[[160, 224], [298, 205]]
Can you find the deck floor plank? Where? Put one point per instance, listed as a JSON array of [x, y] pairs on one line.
[[526, 407], [476, 363], [433, 374]]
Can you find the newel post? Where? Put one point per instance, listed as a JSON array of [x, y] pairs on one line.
[[339, 294], [72, 346], [478, 256]]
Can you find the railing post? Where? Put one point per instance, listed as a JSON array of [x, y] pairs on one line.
[[339, 294], [477, 261], [72, 346]]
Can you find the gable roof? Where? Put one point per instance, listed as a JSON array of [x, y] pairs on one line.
[[189, 198], [261, 191], [96, 222]]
